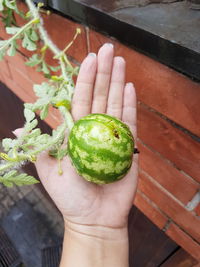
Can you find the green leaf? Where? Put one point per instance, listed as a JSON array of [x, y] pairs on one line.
[[3, 42], [45, 69], [62, 99], [8, 17], [10, 4], [54, 68], [34, 133], [28, 44], [29, 114], [1, 5], [44, 112], [44, 90], [58, 131], [43, 139], [33, 61], [12, 49], [12, 30], [8, 143], [65, 103], [58, 153], [13, 178], [31, 125], [76, 71], [33, 35]]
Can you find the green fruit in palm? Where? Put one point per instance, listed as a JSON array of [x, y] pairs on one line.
[[101, 148]]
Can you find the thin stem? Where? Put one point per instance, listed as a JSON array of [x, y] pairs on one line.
[[26, 26], [48, 42], [43, 33], [67, 117], [63, 69], [58, 53], [78, 31]]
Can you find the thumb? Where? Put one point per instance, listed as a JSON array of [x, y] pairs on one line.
[[18, 132]]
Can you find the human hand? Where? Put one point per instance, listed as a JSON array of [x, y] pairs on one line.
[[100, 88]]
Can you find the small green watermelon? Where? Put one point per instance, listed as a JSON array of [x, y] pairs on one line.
[[101, 148]]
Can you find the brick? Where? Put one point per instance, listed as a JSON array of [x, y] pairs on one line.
[[185, 241], [2, 78], [24, 82], [23, 88], [170, 206], [4, 67], [172, 143], [150, 210], [17, 62], [197, 210], [3, 34], [165, 90], [35, 76], [178, 184], [96, 40], [19, 91]]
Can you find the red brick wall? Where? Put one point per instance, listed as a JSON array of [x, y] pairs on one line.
[[170, 157]]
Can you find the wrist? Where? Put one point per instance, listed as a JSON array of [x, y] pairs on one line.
[[94, 246], [98, 231]]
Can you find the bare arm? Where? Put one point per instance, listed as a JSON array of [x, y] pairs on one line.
[[94, 246], [103, 243], [95, 216]]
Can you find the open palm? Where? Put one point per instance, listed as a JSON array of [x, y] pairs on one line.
[[100, 88]]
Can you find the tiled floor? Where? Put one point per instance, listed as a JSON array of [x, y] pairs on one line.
[[30, 220]]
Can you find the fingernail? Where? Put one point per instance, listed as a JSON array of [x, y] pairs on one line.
[[129, 88], [130, 84], [92, 55], [17, 132], [109, 44]]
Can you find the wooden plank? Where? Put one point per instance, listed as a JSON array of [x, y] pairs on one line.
[[172, 143], [148, 246], [180, 259], [150, 210], [177, 183], [170, 206], [185, 241]]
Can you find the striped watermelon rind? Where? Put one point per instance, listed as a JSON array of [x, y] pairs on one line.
[[101, 148]]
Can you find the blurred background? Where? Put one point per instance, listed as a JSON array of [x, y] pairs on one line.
[[160, 41]]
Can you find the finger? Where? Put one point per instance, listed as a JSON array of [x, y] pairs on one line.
[[18, 132], [129, 114], [115, 98], [82, 99], [104, 69]]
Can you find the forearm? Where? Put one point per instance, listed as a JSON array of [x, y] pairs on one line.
[[92, 246]]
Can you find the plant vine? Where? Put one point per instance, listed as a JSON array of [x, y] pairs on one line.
[[57, 92]]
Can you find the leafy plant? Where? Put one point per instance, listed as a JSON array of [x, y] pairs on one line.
[[57, 93]]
